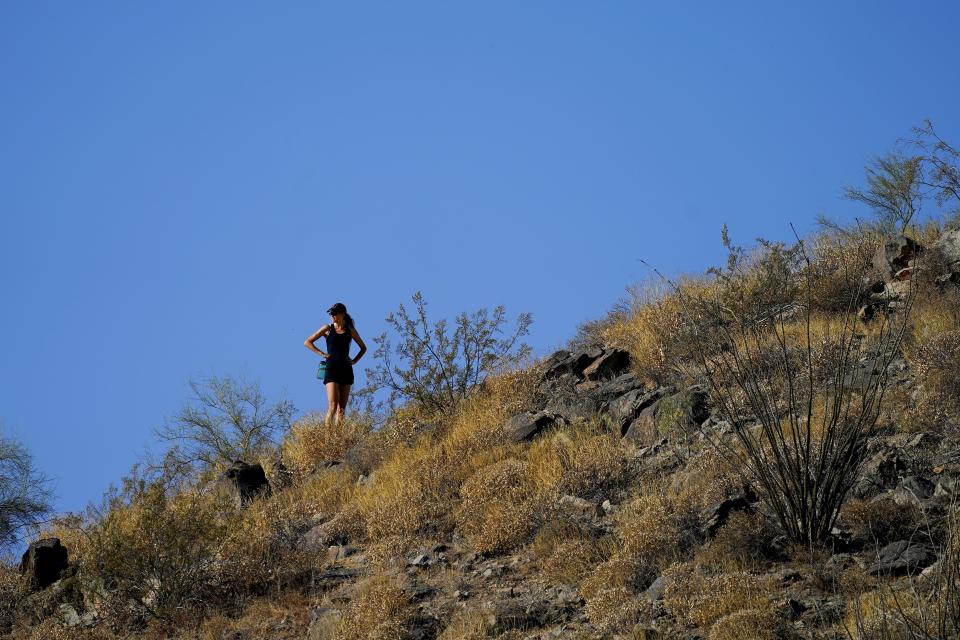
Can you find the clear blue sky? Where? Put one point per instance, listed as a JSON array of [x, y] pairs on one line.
[[185, 187]]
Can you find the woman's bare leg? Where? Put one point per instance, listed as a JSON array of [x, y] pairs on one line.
[[333, 399], [342, 402]]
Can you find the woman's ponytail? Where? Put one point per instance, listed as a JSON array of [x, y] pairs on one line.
[[349, 321]]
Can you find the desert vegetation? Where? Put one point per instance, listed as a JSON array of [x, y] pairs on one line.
[[767, 450]]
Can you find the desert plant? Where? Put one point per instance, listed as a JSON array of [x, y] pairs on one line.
[[311, 441], [437, 367], [799, 429], [25, 493], [924, 607], [226, 419], [154, 551]]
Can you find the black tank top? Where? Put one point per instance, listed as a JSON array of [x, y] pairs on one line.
[[338, 345]]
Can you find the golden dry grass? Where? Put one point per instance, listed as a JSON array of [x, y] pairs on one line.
[[499, 508], [701, 600], [311, 441], [566, 552], [587, 460], [380, 610]]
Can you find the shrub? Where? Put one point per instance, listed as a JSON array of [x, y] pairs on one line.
[[743, 543], [437, 368], [567, 551], [499, 509], [589, 462], [701, 600], [881, 521], [756, 624], [226, 419], [658, 529], [801, 442], [312, 441], [380, 610], [617, 609], [154, 553], [25, 493]]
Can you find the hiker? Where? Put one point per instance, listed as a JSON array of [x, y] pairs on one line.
[[339, 366]]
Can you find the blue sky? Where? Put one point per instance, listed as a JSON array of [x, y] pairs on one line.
[[185, 187]]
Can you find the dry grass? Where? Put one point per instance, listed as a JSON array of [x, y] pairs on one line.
[[617, 609], [881, 521], [588, 461], [742, 544], [567, 552], [700, 600], [658, 529], [13, 587], [499, 508], [654, 331], [756, 624], [311, 441], [380, 610]]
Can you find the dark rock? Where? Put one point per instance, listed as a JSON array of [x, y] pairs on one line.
[[526, 426], [717, 514], [247, 480], [44, 561], [895, 254], [917, 487], [612, 363], [329, 578], [947, 279], [571, 363], [624, 410], [902, 558], [684, 411], [879, 473], [608, 390]]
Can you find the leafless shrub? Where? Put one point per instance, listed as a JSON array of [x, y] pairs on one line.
[[798, 433]]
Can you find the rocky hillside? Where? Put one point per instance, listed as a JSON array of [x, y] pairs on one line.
[[598, 493]]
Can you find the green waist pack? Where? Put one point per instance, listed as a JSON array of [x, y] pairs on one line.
[[322, 369]]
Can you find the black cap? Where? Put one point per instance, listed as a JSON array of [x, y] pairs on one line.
[[339, 307]]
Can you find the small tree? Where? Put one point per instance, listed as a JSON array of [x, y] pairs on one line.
[[893, 190], [224, 420], [437, 367], [25, 494]]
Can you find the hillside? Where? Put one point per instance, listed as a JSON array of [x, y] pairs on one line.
[[668, 475]]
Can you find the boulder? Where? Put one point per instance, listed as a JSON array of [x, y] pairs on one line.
[[949, 246], [612, 363], [44, 562], [246, 480], [894, 255], [902, 558], [717, 514], [607, 390], [624, 410], [526, 426], [879, 473], [563, 362], [684, 411]]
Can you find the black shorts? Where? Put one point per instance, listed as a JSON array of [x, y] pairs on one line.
[[339, 372]]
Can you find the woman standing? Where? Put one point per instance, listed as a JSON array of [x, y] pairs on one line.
[[339, 374]]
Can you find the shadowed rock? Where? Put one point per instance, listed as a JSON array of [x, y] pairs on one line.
[[247, 480], [44, 562], [526, 426], [902, 558]]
